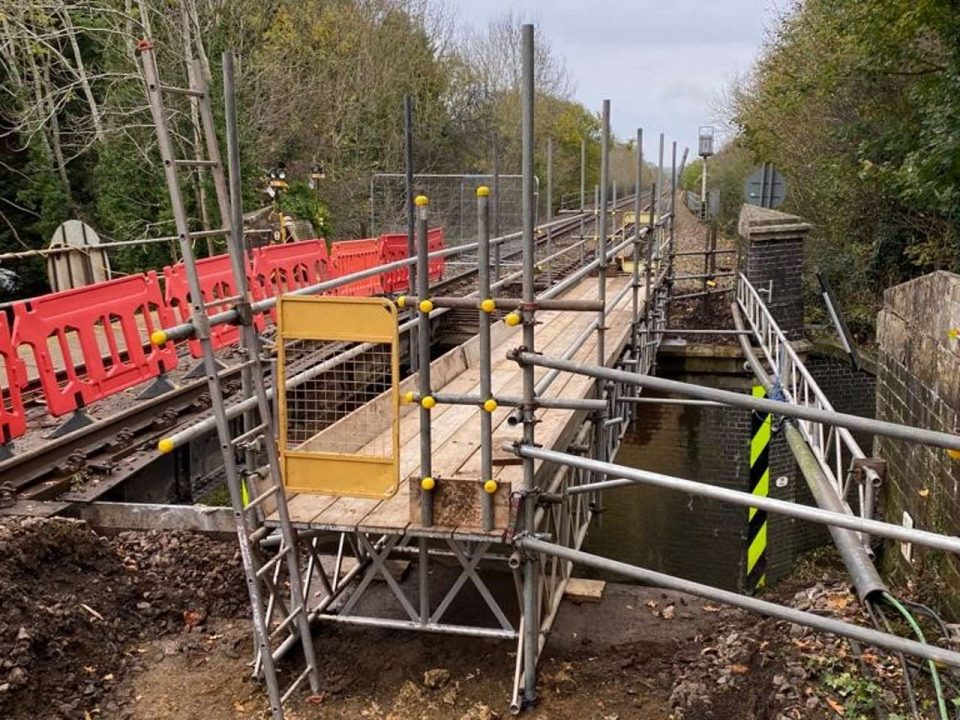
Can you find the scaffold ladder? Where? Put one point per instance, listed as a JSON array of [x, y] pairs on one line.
[[276, 623]]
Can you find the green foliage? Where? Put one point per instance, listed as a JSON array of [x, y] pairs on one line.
[[858, 103], [858, 695], [318, 81], [301, 201]]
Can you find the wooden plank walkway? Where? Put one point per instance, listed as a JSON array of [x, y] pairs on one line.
[[455, 435]]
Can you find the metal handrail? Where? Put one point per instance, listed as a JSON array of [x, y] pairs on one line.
[[829, 444]]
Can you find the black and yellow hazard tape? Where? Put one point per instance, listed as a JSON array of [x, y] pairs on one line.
[[760, 431]]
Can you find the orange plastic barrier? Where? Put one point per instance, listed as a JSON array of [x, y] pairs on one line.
[[350, 256], [13, 418], [216, 283], [101, 335], [434, 243], [395, 248], [278, 269]]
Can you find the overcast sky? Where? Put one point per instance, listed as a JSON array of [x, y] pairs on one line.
[[661, 63]]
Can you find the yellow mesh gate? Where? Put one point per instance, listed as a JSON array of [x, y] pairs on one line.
[[338, 365]]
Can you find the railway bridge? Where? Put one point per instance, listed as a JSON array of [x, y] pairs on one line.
[[347, 436]]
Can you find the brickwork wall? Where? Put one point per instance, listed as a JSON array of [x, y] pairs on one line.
[[770, 250], [778, 261], [692, 537], [918, 384]]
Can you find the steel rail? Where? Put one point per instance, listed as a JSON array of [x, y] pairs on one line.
[[632, 476], [865, 635], [852, 422]]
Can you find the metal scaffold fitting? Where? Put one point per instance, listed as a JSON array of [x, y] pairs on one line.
[[490, 405], [488, 305], [428, 402]]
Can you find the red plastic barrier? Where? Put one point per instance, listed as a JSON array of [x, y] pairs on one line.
[[395, 248], [13, 376], [435, 242], [216, 282], [350, 256], [100, 333], [278, 269]]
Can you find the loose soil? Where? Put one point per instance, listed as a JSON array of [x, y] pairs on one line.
[[152, 626]]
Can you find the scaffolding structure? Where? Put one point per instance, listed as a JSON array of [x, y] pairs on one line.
[[311, 556]]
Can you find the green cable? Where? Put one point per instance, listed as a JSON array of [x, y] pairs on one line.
[[934, 674]]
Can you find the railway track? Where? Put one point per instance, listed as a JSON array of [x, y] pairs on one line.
[[88, 463]]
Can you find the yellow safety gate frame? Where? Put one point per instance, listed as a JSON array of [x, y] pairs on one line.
[[339, 433]]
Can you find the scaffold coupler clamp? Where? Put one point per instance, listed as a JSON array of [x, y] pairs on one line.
[[776, 393], [201, 326], [244, 313]]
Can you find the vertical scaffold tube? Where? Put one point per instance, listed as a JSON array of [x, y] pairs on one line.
[[648, 270], [602, 239], [531, 604], [660, 179], [637, 207], [549, 180], [427, 481], [673, 206], [583, 174], [496, 208], [599, 432], [411, 215], [487, 306]]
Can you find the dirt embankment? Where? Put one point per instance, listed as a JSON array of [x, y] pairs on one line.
[[73, 604], [152, 626]]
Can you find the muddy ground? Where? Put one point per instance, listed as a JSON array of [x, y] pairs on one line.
[[152, 626]]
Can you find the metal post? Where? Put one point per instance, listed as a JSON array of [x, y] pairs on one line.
[[583, 174], [423, 379], [411, 223], [549, 179], [648, 270], [488, 405], [602, 240], [497, 252], [637, 204], [673, 208], [530, 590], [673, 204], [948, 441], [660, 179], [628, 476], [703, 184], [599, 431], [867, 636]]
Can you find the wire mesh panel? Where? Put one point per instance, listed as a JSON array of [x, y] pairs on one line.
[[339, 431], [453, 203], [336, 411]]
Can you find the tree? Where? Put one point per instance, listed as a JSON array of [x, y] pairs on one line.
[[857, 102]]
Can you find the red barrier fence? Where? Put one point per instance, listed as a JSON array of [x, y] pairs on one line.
[[350, 256], [216, 283], [101, 336], [278, 269], [94, 341], [13, 418], [435, 243], [395, 248]]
